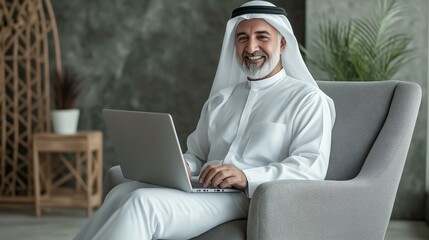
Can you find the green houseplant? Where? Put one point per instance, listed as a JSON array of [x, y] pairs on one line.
[[360, 50], [66, 89]]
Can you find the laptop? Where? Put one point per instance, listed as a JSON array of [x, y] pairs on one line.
[[148, 150]]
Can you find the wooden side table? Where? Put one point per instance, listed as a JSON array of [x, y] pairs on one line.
[[84, 170]]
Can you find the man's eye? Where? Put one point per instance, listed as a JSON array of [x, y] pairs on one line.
[[242, 39], [262, 37]]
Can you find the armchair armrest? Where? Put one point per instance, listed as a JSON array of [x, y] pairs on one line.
[[113, 178], [304, 209]]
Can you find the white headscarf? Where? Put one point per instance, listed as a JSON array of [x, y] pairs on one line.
[[229, 72]]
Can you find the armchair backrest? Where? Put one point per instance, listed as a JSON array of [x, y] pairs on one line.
[[362, 109]]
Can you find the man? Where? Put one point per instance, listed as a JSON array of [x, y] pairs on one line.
[[265, 120]]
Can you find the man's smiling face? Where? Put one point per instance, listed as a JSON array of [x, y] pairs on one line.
[[258, 48]]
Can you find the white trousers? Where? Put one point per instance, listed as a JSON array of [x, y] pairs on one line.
[[135, 210]]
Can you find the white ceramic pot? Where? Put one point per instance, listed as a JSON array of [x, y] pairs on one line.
[[65, 120]]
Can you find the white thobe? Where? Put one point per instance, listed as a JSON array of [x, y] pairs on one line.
[[272, 129], [136, 210]]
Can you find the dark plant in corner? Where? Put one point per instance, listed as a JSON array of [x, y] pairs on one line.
[[368, 49], [67, 87]]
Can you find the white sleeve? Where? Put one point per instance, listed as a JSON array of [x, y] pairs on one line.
[[309, 149], [198, 143]]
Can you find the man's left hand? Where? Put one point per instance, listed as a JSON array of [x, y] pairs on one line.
[[223, 176]]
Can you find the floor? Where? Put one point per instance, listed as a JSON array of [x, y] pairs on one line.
[[64, 224]]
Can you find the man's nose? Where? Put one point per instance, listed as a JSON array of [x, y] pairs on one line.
[[252, 46]]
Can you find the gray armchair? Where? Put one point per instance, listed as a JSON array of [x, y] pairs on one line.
[[371, 137]]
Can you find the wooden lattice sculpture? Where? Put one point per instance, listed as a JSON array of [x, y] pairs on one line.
[[26, 28]]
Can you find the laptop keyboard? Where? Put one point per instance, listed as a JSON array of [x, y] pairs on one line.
[[199, 185]]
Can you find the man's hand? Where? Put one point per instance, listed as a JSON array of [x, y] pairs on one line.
[[223, 176], [188, 170]]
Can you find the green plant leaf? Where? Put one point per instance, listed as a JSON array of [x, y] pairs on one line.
[[364, 49]]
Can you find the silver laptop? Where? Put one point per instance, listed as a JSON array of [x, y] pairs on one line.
[[148, 150]]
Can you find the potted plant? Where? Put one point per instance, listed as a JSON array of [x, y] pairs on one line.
[[66, 89], [361, 50]]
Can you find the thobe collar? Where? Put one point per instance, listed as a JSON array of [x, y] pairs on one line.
[[267, 82]]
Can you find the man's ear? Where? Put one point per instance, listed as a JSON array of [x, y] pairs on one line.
[[282, 45]]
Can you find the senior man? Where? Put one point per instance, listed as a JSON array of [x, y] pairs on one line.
[[265, 120]]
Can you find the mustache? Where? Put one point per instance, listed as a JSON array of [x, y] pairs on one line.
[[256, 53]]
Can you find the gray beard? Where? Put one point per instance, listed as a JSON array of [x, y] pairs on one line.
[[253, 71]]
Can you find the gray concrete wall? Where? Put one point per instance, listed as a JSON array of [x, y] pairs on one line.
[[410, 201]]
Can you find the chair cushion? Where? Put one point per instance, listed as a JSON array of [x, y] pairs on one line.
[[356, 104]]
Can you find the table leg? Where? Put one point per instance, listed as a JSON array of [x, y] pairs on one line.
[[99, 174], [36, 163], [78, 169], [89, 181]]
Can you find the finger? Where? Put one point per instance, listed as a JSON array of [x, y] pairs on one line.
[[220, 176], [236, 178], [227, 182], [216, 180], [208, 179], [209, 176], [207, 169], [204, 173]]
